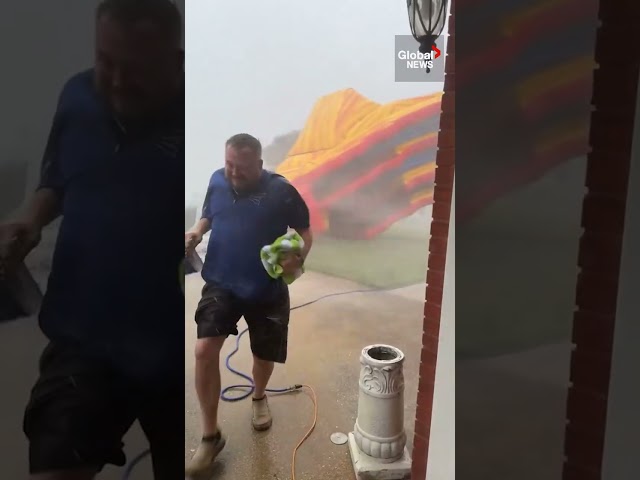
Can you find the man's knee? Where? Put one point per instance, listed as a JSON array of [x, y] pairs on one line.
[[261, 363], [208, 349]]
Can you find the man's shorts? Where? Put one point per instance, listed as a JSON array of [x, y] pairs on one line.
[[219, 312], [80, 409]]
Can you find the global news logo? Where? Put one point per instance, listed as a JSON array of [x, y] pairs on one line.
[[418, 60]]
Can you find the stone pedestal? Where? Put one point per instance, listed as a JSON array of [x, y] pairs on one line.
[[378, 441]]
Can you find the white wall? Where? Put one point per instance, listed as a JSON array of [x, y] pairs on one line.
[[621, 461], [441, 460]]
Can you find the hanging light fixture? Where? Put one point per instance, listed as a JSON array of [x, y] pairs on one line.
[[427, 19]]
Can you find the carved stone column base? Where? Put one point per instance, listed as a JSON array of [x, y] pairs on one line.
[[369, 468]]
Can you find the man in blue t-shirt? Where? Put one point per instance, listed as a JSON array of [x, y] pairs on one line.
[[245, 209], [112, 312]]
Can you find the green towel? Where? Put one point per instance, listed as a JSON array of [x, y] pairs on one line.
[[272, 254]]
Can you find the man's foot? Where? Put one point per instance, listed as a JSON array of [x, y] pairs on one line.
[[202, 462], [261, 414]]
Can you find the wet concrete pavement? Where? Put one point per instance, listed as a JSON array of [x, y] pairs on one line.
[[324, 347]]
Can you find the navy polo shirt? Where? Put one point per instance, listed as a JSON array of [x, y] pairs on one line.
[[241, 225], [114, 284]]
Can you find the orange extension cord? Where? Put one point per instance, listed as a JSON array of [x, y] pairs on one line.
[[314, 398]]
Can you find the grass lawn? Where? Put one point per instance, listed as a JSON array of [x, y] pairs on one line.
[[396, 258]]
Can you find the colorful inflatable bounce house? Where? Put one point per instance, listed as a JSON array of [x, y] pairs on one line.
[[362, 166]]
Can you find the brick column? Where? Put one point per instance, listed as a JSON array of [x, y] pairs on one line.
[[443, 189], [612, 127]]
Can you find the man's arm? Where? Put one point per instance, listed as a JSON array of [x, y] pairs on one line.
[[19, 237], [43, 208], [201, 227], [298, 218], [193, 236], [45, 204], [307, 236]]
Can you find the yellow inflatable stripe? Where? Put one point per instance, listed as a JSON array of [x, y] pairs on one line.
[[388, 114], [355, 109], [407, 145], [320, 131], [322, 128], [555, 77], [419, 171]]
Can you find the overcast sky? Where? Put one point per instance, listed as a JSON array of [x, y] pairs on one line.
[[258, 67]]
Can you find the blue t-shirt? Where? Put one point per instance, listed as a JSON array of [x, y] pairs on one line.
[[241, 225], [114, 284]]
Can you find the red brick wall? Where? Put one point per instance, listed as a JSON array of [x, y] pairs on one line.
[[445, 166], [614, 101]]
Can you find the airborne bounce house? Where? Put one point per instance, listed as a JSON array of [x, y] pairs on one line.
[[362, 166]]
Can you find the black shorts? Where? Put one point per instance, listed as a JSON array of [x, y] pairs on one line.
[[80, 409], [219, 312]]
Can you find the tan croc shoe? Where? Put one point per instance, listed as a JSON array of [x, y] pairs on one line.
[[201, 464], [261, 415]]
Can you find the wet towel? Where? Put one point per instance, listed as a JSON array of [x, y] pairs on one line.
[[271, 255]]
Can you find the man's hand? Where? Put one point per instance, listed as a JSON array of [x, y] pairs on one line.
[[291, 263], [191, 241], [17, 239]]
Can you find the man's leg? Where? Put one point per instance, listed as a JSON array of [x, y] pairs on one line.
[[208, 381], [76, 417], [262, 370], [216, 316], [269, 330]]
